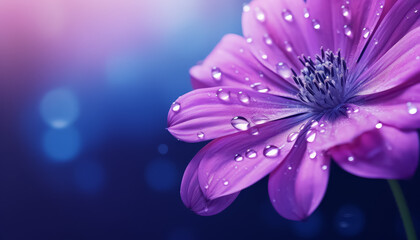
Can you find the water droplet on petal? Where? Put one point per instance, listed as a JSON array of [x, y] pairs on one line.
[[316, 24], [271, 151], [216, 73], [379, 125], [246, 8], [324, 167], [176, 107], [251, 154], [240, 123], [287, 15], [375, 41], [200, 135], [312, 154], [249, 40], [238, 157], [260, 88], [350, 159], [347, 31], [292, 136], [206, 187], [365, 33], [223, 95], [267, 39], [310, 136], [411, 108], [284, 70], [243, 97], [314, 124], [260, 15], [288, 46], [254, 131], [260, 119], [226, 183], [356, 109], [305, 13], [264, 56], [346, 12], [289, 168]]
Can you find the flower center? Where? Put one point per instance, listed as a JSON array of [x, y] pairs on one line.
[[322, 82]]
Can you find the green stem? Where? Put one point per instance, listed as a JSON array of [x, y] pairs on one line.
[[403, 208]]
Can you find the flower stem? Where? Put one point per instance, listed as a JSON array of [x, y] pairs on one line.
[[403, 208]]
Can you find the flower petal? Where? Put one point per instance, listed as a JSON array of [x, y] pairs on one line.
[[327, 134], [193, 197], [401, 18], [209, 113], [399, 65], [235, 162], [296, 28], [382, 153], [401, 111], [298, 185], [232, 64]]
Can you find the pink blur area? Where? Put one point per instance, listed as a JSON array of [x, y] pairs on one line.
[[86, 30]]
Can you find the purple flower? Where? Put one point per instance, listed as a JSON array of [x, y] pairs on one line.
[[309, 82]]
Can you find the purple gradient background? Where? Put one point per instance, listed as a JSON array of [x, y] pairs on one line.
[[85, 86]]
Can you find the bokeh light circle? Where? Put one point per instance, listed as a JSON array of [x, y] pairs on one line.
[[61, 145], [59, 108], [349, 221]]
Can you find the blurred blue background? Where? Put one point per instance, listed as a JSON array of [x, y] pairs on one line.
[[85, 87]]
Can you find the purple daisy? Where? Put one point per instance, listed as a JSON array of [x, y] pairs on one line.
[[309, 83]]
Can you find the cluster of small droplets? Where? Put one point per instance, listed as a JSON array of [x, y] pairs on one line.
[[322, 82]]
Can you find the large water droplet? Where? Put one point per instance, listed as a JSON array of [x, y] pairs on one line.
[[379, 125], [347, 31], [292, 136], [316, 24], [240, 123], [259, 15], [238, 157], [251, 154], [223, 95], [305, 13], [260, 88], [176, 107], [216, 74], [267, 39], [411, 108], [350, 158], [243, 97], [260, 119], [312, 154], [310, 136], [200, 135], [287, 15], [284, 70], [271, 151], [365, 33]]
